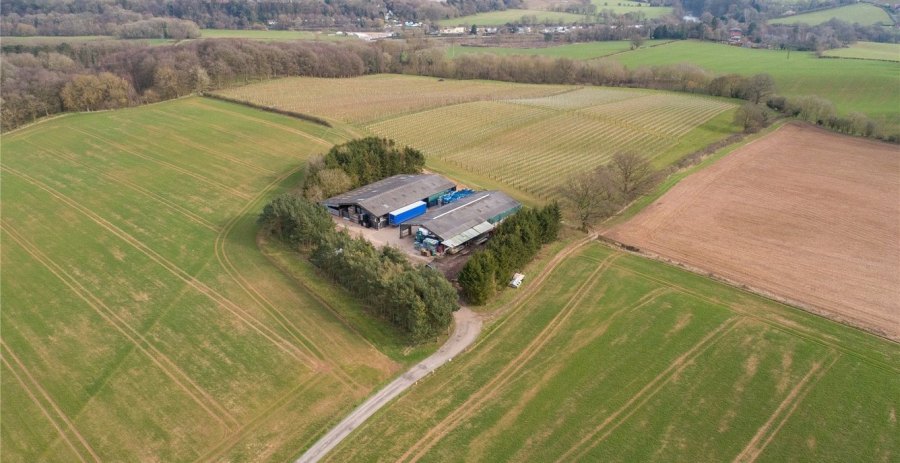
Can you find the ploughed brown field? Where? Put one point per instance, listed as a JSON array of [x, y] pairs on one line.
[[806, 215]]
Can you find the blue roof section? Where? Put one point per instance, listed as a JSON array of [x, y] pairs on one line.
[[392, 193]]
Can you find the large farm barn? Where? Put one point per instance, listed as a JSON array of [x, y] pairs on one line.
[[447, 219], [390, 200], [451, 226]]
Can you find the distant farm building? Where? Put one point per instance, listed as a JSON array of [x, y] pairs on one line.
[[390, 201], [471, 218]]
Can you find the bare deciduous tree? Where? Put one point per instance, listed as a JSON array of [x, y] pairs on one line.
[[591, 196], [631, 174]]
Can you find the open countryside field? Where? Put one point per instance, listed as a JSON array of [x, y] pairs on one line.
[[803, 214], [273, 35], [499, 18], [581, 51], [620, 358], [140, 322], [867, 50], [862, 13], [852, 85], [527, 137]]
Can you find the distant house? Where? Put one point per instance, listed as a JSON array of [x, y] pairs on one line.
[[735, 36], [459, 30], [372, 205]]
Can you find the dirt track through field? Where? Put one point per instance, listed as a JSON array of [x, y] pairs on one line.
[[802, 214]]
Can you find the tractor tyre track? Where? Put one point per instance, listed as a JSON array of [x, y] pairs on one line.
[[37, 386], [756, 445], [489, 390], [647, 392], [137, 339], [255, 324]]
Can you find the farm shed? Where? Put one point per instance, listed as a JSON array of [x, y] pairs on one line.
[[398, 197], [471, 218]]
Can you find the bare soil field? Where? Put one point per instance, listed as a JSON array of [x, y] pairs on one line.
[[805, 215]]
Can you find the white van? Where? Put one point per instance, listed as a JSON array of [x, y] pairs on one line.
[[517, 280]]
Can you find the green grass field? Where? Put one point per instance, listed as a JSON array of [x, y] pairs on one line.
[[650, 12], [268, 35], [862, 13], [140, 320], [580, 51], [869, 86], [867, 50], [620, 358], [525, 138], [499, 18]]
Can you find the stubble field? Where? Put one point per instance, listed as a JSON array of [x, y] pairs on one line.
[[140, 322], [619, 358], [804, 214]]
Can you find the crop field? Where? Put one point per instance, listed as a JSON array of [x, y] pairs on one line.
[[862, 13], [140, 322], [499, 18], [527, 137], [803, 214], [535, 144], [365, 99], [615, 357], [867, 50], [852, 85], [581, 51]]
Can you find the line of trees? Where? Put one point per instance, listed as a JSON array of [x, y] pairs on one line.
[[32, 78], [93, 17], [417, 300], [600, 193], [514, 243]]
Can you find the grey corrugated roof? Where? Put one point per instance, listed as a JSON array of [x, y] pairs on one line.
[[455, 218], [392, 193]]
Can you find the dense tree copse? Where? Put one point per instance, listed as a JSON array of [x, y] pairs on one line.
[[362, 161], [418, 300], [514, 243]]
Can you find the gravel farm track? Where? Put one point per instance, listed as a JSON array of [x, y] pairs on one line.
[[803, 215]]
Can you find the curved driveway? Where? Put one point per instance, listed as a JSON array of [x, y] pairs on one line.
[[468, 326]]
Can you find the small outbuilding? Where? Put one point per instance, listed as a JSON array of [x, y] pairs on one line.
[[451, 226], [393, 200]]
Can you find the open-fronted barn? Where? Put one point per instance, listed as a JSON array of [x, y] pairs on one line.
[[453, 225], [390, 201]]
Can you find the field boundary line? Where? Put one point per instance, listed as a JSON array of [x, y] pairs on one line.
[[271, 124], [261, 328], [774, 324], [263, 301], [167, 164], [640, 398], [127, 183], [785, 410], [136, 338], [36, 385], [504, 376]]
